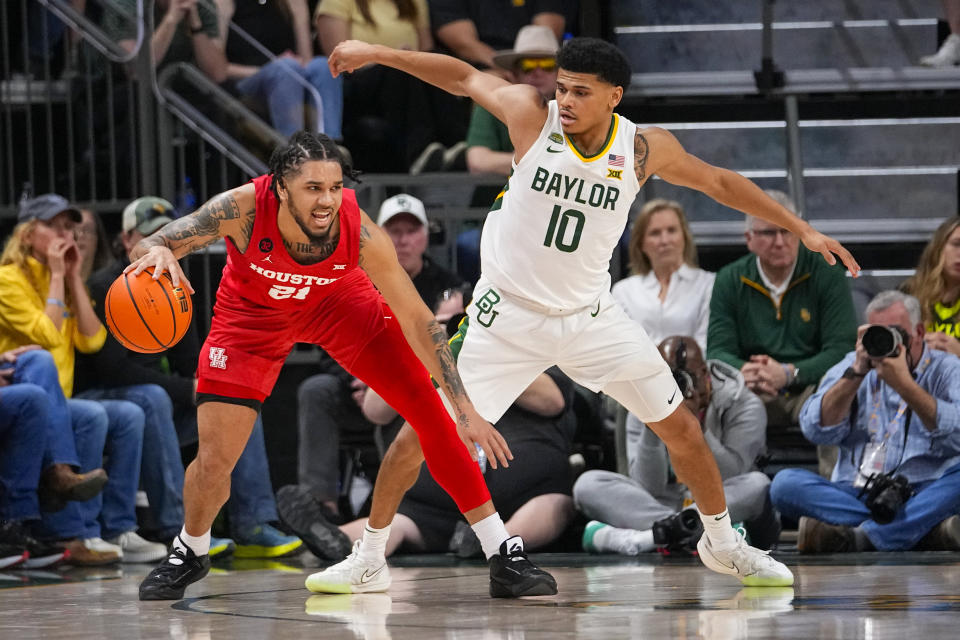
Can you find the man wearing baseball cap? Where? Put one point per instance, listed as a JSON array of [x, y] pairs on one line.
[[145, 215]]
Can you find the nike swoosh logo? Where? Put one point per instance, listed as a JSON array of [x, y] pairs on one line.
[[718, 517], [595, 313], [670, 401], [552, 150], [366, 576]]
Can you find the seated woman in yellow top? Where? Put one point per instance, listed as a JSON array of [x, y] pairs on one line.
[[43, 301], [936, 284]]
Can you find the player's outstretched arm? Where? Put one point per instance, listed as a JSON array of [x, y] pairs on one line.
[[229, 214], [658, 151], [519, 106], [428, 339]]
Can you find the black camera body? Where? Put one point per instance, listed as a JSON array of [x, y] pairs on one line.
[[886, 494], [881, 341]]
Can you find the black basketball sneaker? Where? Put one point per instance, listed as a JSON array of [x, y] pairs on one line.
[[512, 575], [179, 569]]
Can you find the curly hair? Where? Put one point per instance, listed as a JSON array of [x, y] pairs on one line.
[[599, 57], [928, 283], [302, 146]]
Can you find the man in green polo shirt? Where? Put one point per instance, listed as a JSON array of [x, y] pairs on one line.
[[782, 316]]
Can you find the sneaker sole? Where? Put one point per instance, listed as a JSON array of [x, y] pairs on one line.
[[319, 586], [586, 541], [170, 593], [278, 551], [222, 551], [43, 562], [299, 511], [12, 561], [756, 581], [532, 587]]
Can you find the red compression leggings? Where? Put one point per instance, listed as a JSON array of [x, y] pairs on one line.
[[389, 366]]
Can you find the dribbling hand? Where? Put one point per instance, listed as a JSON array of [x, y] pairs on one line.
[[474, 430], [161, 259]]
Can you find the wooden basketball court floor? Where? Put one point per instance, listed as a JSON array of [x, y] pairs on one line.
[[864, 596]]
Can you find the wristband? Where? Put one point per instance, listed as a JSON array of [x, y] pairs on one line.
[[55, 301]]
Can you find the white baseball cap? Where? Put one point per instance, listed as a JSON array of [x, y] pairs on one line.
[[401, 203]]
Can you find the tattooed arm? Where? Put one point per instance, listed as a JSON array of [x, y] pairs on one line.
[[657, 151], [427, 338], [230, 214]]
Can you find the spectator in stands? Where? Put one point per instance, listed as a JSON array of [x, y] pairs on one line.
[[782, 316], [936, 284], [43, 301], [163, 384], [896, 415], [391, 117], [93, 244], [667, 294], [949, 53], [534, 496], [649, 508], [23, 445], [283, 28], [474, 30], [329, 402], [184, 31]]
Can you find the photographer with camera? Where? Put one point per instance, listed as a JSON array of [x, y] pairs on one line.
[[893, 408], [649, 507]]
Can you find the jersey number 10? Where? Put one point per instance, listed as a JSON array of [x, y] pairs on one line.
[[557, 229]]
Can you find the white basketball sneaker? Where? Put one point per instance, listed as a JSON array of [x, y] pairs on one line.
[[754, 568], [352, 575]]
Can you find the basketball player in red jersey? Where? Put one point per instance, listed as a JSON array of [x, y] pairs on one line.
[[301, 256]]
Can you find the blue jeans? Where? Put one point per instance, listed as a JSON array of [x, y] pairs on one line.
[[277, 85], [23, 437], [37, 367], [798, 492], [252, 501], [89, 431], [161, 468]]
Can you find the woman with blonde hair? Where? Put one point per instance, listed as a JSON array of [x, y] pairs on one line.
[[936, 284], [668, 294], [43, 301]]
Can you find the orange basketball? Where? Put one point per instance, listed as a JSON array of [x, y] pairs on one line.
[[147, 315]]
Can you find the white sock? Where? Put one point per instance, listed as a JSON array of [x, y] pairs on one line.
[[373, 544], [719, 530], [628, 542], [491, 533], [200, 545]]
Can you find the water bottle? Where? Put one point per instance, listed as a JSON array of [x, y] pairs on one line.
[[187, 199], [481, 458]]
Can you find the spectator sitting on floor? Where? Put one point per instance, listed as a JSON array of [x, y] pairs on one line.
[[936, 284], [43, 301], [164, 384], [897, 415], [329, 402], [782, 316], [667, 293], [649, 508]]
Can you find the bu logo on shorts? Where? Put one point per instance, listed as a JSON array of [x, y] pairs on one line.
[[218, 359], [485, 313]]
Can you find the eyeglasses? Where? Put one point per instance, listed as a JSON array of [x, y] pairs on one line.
[[771, 234], [529, 64]]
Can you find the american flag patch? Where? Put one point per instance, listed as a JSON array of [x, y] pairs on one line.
[[614, 160]]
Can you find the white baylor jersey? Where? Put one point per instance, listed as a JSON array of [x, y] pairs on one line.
[[550, 234]]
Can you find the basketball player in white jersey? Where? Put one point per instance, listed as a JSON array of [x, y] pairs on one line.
[[543, 297]]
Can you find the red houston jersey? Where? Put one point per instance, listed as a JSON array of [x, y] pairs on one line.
[[267, 276]]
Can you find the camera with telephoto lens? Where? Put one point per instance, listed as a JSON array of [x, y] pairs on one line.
[[880, 341], [886, 494]]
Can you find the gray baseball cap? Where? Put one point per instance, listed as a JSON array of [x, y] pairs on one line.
[[45, 208]]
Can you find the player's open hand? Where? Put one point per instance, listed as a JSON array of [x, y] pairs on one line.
[[827, 246], [474, 430], [161, 259], [350, 55]]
